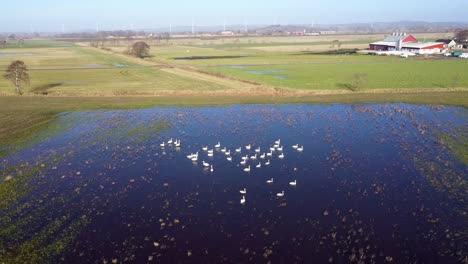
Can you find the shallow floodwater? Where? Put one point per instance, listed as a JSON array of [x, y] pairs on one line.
[[5, 55], [375, 184]]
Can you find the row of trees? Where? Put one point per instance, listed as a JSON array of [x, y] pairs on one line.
[[461, 35]]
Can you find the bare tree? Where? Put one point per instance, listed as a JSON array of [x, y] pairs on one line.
[[140, 49], [17, 73], [461, 35]]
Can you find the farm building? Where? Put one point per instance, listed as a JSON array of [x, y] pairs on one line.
[[449, 42], [404, 42]]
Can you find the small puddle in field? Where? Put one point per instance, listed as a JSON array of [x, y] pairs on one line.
[[209, 57], [270, 72], [7, 55]]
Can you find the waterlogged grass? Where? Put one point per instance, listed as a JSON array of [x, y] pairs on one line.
[[15, 184], [30, 232], [23, 131], [143, 132], [440, 171], [45, 246], [457, 144]]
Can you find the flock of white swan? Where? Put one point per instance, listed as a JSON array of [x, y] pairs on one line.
[[276, 149]]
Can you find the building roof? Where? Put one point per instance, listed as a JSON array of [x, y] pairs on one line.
[[407, 45], [421, 45], [395, 37], [384, 43], [446, 41]]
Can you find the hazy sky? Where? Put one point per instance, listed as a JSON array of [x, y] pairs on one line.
[[50, 15]]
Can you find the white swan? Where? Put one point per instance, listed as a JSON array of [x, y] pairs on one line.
[[177, 143], [243, 162], [162, 144], [170, 141], [259, 165], [272, 149], [280, 148], [223, 150], [210, 154], [277, 142], [195, 158], [206, 164], [229, 158], [270, 154], [254, 157], [248, 147], [205, 148], [300, 149], [257, 150], [294, 183], [247, 169], [267, 163], [242, 201], [238, 150], [263, 156], [281, 156], [190, 156], [295, 146], [270, 181], [227, 153], [245, 158], [281, 194], [218, 145], [243, 191]]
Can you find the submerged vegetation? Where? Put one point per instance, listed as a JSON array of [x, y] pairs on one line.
[[457, 144], [108, 171]]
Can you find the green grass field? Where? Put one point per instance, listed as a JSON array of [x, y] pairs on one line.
[[80, 70], [381, 74]]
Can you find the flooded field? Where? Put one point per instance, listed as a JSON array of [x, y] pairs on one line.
[[344, 184], [7, 55]]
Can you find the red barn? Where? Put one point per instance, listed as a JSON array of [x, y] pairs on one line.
[[404, 42], [392, 42]]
